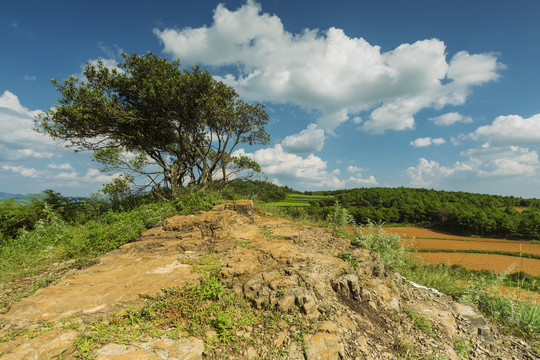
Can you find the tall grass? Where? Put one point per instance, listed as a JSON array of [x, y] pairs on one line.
[[54, 240]]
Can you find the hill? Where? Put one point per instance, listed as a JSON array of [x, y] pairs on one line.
[[240, 285], [7, 196]]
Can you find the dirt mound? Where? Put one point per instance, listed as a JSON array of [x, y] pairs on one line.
[[324, 307]]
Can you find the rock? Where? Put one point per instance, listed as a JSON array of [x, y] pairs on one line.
[[46, 346], [181, 349], [322, 346]]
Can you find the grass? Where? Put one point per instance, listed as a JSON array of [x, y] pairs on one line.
[[210, 307], [488, 252], [519, 317], [300, 200], [26, 262]]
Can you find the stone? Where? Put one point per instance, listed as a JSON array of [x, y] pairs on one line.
[[322, 346], [49, 345]]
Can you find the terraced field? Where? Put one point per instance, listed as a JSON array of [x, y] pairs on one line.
[[474, 253]]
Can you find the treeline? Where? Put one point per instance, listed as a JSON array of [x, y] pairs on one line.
[[459, 212], [256, 190]]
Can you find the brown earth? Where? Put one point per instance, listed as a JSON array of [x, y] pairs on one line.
[[409, 231], [356, 312], [476, 245], [495, 263]]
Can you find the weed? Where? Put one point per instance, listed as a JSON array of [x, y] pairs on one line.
[[462, 348], [420, 322]]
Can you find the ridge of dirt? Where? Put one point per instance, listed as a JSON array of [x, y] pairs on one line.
[[293, 269]]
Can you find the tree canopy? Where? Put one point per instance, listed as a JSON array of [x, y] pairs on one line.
[[150, 117]]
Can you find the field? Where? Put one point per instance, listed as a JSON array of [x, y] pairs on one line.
[[474, 253], [300, 200]]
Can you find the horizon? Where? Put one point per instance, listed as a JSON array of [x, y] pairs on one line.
[[359, 94]]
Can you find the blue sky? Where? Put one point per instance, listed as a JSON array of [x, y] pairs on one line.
[[433, 94]]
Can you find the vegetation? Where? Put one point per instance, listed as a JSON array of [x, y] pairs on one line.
[[150, 118], [518, 316], [95, 227], [457, 212]]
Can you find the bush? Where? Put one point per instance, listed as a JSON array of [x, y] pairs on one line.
[[388, 245]]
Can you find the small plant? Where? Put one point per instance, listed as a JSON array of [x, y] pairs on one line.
[[387, 244], [346, 256], [462, 348], [420, 322], [340, 216]]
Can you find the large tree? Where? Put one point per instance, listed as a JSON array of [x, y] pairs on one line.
[[149, 117]]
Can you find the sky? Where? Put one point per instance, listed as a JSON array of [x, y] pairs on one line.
[[434, 94]]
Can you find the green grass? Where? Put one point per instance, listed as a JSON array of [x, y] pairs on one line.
[[300, 200], [488, 252], [196, 310], [30, 255]]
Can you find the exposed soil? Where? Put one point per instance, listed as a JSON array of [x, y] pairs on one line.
[[495, 263], [409, 231], [327, 308], [476, 245]]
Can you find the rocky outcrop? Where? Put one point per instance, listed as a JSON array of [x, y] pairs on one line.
[[329, 309]]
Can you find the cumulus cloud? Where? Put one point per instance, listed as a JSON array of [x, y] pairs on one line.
[[307, 172], [511, 130], [26, 172], [450, 119], [332, 72], [505, 161], [66, 166], [307, 141], [16, 123], [481, 162], [31, 153], [427, 141]]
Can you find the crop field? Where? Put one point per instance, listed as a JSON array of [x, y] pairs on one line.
[[474, 253], [491, 262], [300, 200]]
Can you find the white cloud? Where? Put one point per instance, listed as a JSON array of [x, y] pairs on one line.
[[16, 123], [301, 172], [427, 141], [450, 119], [338, 75], [31, 153], [307, 141], [498, 161], [73, 175], [511, 130], [26, 172], [431, 173], [96, 176], [482, 162], [30, 77], [353, 169], [10, 101], [66, 166]]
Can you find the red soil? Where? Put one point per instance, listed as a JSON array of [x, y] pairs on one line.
[[495, 263]]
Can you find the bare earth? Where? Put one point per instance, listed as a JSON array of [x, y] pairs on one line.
[[360, 312], [495, 263]]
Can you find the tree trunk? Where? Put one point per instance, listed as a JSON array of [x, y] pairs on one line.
[[174, 180]]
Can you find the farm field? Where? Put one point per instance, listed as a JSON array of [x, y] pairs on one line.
[[300, 200], [495, 263], [421, 233], [517, 247], [435, 240]]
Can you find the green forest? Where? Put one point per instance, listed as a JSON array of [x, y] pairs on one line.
[[457, 212]]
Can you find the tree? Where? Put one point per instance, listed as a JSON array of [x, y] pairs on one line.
[[149, 117]]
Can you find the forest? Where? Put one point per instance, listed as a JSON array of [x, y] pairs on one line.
[[457, 212]]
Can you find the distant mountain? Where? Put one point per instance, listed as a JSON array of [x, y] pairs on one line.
[[7, 196]]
